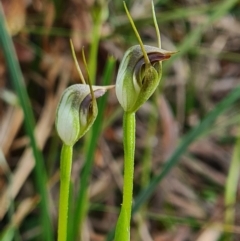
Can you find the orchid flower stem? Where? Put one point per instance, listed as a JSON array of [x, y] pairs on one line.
[[123, 224], [129, 149], [65, 175]]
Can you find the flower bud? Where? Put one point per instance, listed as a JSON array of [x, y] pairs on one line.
[[140, 70], [136, 79], [77, 111]]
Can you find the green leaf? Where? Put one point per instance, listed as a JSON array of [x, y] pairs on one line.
[[18, 83], [8, 234]]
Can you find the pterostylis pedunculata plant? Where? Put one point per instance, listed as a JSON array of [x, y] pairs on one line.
[[138, 77], [76, 112]]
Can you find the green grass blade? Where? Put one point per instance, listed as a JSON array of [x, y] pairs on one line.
[[179, 13], [167, 16], [99, 14], [232, 185], [81, 207], [148, 152], [18, 83], [186, 141], [192, 39], [8, 234], [222, 106]]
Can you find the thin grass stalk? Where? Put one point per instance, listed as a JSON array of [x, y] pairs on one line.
[[180, 13], [193, 37], [9, 232], [148, 152], [170, 15], [18, 83], [96, 33], [82, 198], [147, 156], [6, 169], [232, 185], [65, 177], [186, 141]]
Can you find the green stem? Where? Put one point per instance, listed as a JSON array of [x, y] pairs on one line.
[[65, 175], [92, 63], [82, 197], [189, 138], [17, 79], [129, 149], [232, 185]]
